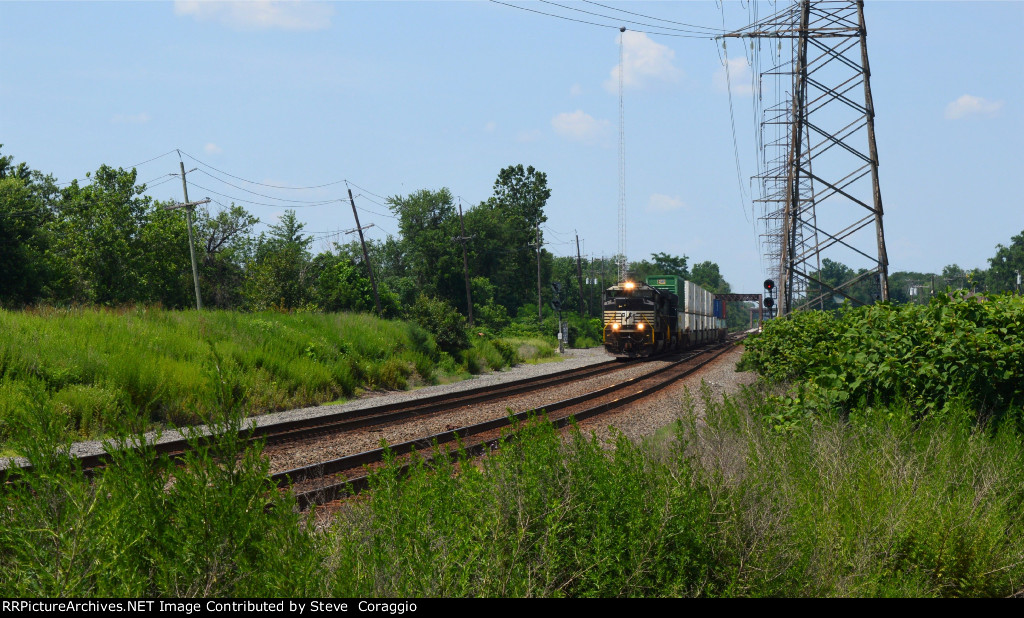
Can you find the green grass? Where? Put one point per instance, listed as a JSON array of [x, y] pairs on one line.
[[878, 499], [725, 506], [535, 349], [148, 368]]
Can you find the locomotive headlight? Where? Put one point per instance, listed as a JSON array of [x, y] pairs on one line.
[[640, 326], [629, 285]]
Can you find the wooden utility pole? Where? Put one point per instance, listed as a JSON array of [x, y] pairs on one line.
[[465, 264], [540, 302], [191, 242], [366, 256], [579, 272]]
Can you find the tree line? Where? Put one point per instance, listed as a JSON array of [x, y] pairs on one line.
[[104, 242], [911, 287]]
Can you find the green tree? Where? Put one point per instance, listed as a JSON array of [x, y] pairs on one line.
[[428, 221], [165, 266], [226, 242], [954, 277], [707, 275], [505, 230], [1006, 265], [342, 285], [667, 264], [278, 273], [23, 235], [97, 244]]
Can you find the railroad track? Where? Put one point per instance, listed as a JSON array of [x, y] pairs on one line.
[[337, 478], [338, 422]]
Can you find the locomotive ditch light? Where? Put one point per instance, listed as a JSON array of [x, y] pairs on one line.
[[615, 327], [640, 326]]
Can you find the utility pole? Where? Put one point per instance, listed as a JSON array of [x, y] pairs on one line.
[[465, 262], [579, 272], [191, 243], [540, 302], [366, 256]]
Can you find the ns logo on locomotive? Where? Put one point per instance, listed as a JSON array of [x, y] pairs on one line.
[[664, 314]]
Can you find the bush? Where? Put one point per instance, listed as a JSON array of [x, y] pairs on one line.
[[447, 325], [144, 526], [957, 349]]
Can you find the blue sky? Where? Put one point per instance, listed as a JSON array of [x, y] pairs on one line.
[[400, 96]]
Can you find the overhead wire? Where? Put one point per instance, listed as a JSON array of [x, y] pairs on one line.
[[247, 201], [282, 199], [134, 165], [262, 184], [611, 8], [591, 23], [628, 21]]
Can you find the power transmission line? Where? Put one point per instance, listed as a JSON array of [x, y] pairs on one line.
[[591, 23], [611, 8], [262, 184], [630, 21]]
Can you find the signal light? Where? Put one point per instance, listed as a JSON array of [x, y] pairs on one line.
[[769, 302], [769, 285]]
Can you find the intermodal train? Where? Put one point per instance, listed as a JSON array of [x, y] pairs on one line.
[[663, 314]]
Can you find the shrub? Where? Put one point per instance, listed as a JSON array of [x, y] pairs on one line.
[[956, 349], [447, 325]]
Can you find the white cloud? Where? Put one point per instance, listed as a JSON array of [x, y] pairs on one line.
[[259, 14], [526, 137], [738, 78], [645, 61], [212, 148], [140, 118], [660, 203], [579, 126], [969, 105]]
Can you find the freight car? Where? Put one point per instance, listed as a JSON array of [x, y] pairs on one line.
[[664, 314]]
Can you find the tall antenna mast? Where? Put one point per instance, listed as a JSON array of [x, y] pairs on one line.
[[622, 161]]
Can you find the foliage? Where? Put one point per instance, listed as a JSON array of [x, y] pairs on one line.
[[727, 507], [505, 232], [427, 222], [226, 245], [341, 285], [144, 526], [101, 369], [707, 275], [23, 241], [440, 319], [1006, 266], [872, 505], [280, 267], [957, 349]]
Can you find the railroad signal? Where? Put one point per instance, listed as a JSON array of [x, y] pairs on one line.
[[769, 302], [769, 285], [556, 298]]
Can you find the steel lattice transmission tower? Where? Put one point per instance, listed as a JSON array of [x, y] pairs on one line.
[[821, 203]]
